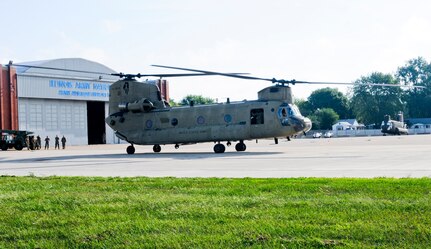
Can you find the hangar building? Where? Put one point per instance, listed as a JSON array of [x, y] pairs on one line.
[[50, 102]]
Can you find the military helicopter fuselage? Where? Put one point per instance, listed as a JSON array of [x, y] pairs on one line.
[[139, 115], [394, 127]]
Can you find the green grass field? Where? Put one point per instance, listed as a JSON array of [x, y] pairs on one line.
[[82, 212]]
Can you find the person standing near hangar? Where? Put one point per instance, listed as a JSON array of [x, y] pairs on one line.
[[57, 142], [47, 143], [63, 142]]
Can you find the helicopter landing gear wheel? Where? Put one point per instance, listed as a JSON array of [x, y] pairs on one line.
[[240, 146], [130, 149], [219, 148], [157, 148]]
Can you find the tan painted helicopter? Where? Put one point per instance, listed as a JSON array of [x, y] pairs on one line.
[[139, 115], [394, 127]]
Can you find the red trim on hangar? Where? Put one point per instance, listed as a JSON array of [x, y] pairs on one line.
[[8, 98]]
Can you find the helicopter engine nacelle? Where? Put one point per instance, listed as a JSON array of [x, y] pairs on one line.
[[142, 105], [283, 93], [130, 95]]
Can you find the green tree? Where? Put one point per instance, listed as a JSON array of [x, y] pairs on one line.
[[370, 103], [197, 100], [330, 98], [323, 119], [304, 107], [172, 103], [417, 72]]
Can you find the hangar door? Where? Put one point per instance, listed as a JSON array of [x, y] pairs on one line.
[[96, 122]]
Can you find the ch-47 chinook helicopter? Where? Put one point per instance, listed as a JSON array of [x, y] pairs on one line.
[[394, 127], [139, 115]]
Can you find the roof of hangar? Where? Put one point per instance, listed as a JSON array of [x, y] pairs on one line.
[[60, 67]]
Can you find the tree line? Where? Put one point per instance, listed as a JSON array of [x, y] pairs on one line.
[[366, 103]]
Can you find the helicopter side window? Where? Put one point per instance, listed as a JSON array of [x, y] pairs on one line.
[[256, 116]]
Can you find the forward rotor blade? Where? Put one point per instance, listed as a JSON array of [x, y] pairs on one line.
[[121, 75], [353, 84], [61, 69]]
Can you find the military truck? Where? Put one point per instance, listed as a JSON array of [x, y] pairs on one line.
[[14, 139]]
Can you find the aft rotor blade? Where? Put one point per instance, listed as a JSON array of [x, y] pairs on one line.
[[274, 80], [121, 75], [241, 76]]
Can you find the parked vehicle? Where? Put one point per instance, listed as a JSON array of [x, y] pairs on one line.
[[328, 134], [13, 139], [317, 135]]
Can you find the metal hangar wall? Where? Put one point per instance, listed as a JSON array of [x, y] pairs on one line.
[[56, 102]]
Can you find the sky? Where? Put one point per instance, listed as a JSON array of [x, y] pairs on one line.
[[330, 41]]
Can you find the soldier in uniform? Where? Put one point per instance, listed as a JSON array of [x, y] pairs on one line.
[[63, 142], [57, 142], [38, 142], [47, 143]]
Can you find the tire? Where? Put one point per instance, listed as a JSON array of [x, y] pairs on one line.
[[4, 147], [130, 150], [157, 148], [219, 148], [18, 146], [240, 147]]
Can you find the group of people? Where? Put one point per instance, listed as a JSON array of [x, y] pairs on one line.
[[57, 142], [38, 142]]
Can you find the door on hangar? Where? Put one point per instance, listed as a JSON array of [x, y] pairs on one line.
[[96, 122]]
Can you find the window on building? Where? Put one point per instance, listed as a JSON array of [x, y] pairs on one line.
[[66, 117], [79, 117], [35, 117], [51, 117], [22, 116]]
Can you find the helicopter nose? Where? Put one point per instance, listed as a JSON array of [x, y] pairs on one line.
[[301, 124], [307, 124]]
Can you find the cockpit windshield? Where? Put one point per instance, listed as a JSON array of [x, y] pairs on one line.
[[288, 111], [294, 111]]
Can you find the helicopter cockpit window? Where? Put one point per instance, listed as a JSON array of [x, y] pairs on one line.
[[256, 116], [294, 111]]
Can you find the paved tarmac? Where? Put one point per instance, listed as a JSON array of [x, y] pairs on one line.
[[390, 156]]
